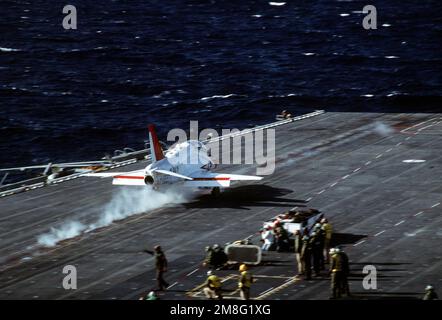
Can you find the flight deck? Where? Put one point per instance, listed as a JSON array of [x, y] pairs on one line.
[[377, 177]]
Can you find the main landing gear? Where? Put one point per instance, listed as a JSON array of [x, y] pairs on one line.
[[215, 192]]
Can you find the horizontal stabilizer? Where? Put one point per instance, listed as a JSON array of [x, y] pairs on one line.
[[208, 182], [173, 174], [212, 179], [125, 180], [239, 177]]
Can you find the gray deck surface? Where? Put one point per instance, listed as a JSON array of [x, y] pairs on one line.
[[385, 212]]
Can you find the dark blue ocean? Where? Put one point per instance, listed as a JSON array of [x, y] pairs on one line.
[[71, 95]]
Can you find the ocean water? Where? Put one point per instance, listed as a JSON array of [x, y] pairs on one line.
[[71, 95]]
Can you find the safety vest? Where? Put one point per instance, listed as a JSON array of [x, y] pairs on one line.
[[245, 280], [328, 230], [336, 263], [214, 282]]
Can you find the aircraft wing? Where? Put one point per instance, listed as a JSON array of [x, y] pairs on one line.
[[204, 179], [238, 177], [113, 174], [213, 179], [131, 178]]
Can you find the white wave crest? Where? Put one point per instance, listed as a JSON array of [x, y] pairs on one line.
[[8, 49], [218, 97]]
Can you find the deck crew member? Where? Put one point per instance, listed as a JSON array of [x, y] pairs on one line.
[[336, 273], [284, 115], [208, 261], [245, 282], [328, 230], [316, 245], [321, 243], [150, 296], [298, 250], [430, 294], [160, 266], [282, 239], [345, 288], [268, 238], [306, 255], [213, 286], [219, 256]]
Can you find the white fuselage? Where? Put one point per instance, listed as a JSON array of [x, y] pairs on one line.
[[186, 164], [189, 158]]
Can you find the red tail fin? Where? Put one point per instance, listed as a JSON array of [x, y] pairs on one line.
[[155, 149]]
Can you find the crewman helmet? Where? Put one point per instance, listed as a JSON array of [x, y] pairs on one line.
[[429, 288], [324, 220], [209, 273], [243, 267]]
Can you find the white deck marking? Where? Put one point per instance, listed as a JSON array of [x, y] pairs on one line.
[[333, 184], [345, 177], [419, 213], [435, 205], [309, 199], [360, 242], [379, 233], [388, 150], [356, 170], [266, 291], [400, 222], [398, 144], [173, 284], [378, 156], [323, 190], [367, 163], [192, 272], [414, 161], [430, 125], [418, 124]]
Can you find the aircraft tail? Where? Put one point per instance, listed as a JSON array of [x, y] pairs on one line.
[[156, 151]]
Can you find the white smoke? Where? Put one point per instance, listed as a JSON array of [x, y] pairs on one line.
[[68, 230], [382, 129], [127, 202]]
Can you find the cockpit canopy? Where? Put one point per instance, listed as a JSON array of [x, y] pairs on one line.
[[188, 152]]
